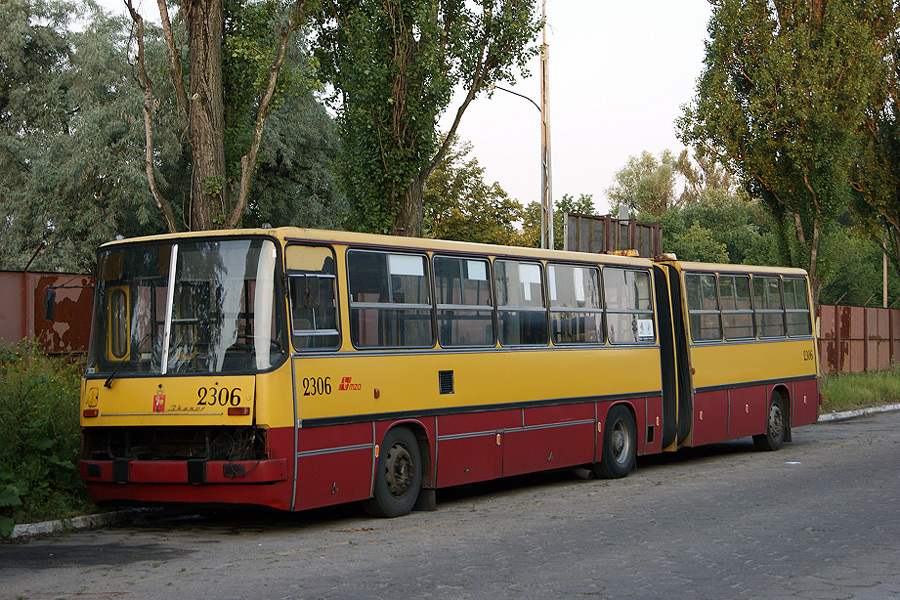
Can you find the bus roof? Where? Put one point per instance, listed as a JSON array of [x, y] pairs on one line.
[[296, 234], [728, 268]]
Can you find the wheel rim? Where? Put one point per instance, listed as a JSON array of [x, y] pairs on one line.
[[621, 442], [398, 470], [776, 420]]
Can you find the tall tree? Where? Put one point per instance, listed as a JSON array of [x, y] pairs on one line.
[[202, 106], [460, 205], [645, 184], [781, 99], [394, 65], [70, 127], [876, 180]]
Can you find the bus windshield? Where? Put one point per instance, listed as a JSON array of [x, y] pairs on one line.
[[206, 306]]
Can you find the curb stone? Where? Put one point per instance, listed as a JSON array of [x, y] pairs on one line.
[[29, 530], [860, 412]]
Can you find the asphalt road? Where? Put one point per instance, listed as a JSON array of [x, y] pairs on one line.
[[819, 519]]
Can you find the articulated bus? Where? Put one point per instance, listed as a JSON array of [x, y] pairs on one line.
[[295, 368]]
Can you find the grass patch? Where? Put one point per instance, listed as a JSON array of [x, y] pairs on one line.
[[849, 391]]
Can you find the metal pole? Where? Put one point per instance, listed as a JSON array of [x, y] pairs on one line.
[[546, 183], [884, 269]]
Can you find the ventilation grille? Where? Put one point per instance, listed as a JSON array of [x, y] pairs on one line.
[[445, 381]]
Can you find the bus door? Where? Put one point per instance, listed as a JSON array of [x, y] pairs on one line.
[[676, 379]]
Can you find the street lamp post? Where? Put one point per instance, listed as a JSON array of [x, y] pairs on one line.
[[546, 190], [544, 109]]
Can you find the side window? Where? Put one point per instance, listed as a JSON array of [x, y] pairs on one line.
[[629, 307], [737, 312], [390, 306], [465, 314], [118, 311], [768, 306], [703, 307], [575, 313], [796, 305], [522, 316], [313, 292]]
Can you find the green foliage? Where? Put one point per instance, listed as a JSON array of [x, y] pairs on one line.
[[40, 437], [856, 276], [531, 222], [849, 391], [71, 136], [782, 97], [394, 65], [723, 226], [459, 205], [250, 42], [72, 139], [294, 182], [876, 182], [645, 184]]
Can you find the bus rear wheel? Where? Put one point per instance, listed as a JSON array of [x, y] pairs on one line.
[[398, 475], [619, 444], [776, 426]]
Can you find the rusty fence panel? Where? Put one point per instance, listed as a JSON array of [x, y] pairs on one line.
[[23, 309], [605, 234], [856, 339]]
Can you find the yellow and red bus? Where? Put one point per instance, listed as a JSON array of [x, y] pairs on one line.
[[296, 368]]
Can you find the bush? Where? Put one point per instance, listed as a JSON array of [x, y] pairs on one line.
[[40, 437]]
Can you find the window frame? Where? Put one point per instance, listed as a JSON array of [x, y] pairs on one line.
[[609, 312], [490, 307], [392, 306], [700, 312], [514, 308], [291, 274], [796, 311], [600, 310], [760, 313], [737, 311]]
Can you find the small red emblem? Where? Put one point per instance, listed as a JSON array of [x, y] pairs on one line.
[[159, 402]]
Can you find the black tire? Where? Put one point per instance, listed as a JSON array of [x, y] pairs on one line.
[[398, 475], [619, 444], [776, 426]]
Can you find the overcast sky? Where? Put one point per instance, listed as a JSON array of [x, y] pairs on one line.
[[619, 72]]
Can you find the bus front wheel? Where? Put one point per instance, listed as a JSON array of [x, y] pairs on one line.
[[619, 444], [776, 426], [398, 475]]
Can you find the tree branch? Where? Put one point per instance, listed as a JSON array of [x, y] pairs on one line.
[[174, 63], [147, 109], [249, 160]]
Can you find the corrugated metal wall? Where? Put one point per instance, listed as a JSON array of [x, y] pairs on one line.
[[854, 339], [23, 314]]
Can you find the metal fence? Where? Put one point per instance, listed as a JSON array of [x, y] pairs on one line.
[[51, 308], [855, 339], [604, 235]]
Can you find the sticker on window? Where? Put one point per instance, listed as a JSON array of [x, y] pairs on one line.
[[477, 270], [645, 329], [401, 264]]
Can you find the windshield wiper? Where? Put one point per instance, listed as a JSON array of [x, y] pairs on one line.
[[108, 383]]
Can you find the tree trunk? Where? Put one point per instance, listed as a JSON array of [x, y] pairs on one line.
[[815, 281], [408, 220], [206, 112]]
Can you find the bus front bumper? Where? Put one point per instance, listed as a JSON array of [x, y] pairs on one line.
[[183, 471]]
